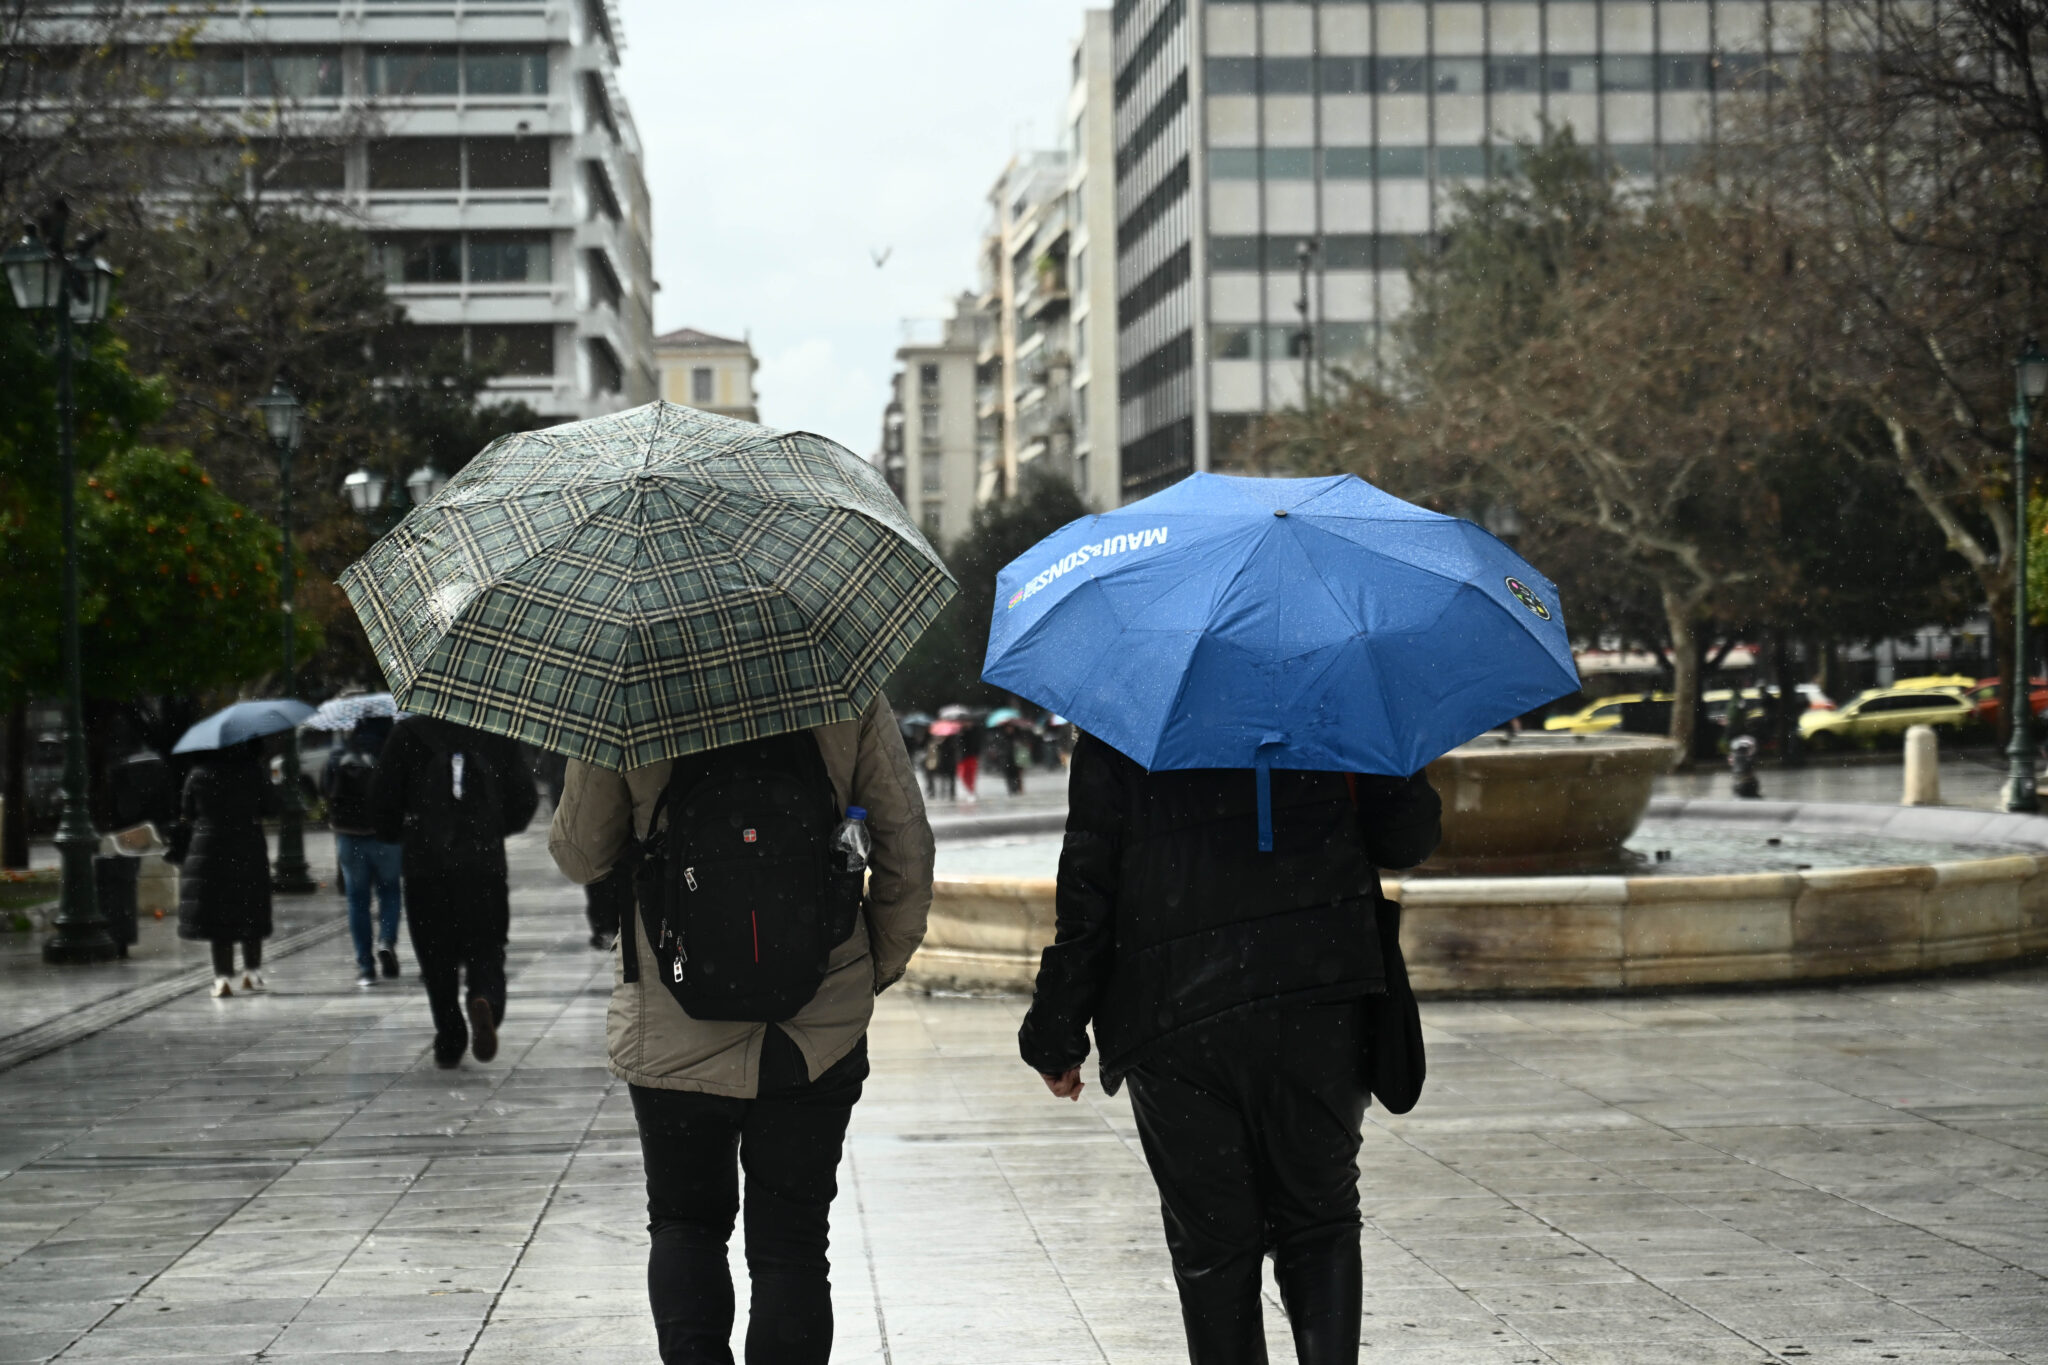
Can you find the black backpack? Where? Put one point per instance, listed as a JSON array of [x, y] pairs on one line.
[[353, 777], [737, 893], [453, 831]]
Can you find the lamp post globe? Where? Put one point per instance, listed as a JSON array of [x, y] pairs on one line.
[[92, 291], [282, 418], [2030, 382], [35, 274], [423, 483], [366, 490]]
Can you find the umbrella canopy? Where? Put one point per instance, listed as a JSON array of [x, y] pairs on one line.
[[649, 584], [941, 728], [343, 713], [244, 721], [1003, 715], [1278, 623]]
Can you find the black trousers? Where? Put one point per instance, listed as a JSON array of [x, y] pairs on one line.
[[224, 955], [1251, 1127], [458, 926], [788, 1142]]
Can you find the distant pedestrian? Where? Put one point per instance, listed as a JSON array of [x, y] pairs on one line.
[[761, 1072], [941, 765], [1014, 752], [368, 864], [972, 738], [451, 794], [224, 862]]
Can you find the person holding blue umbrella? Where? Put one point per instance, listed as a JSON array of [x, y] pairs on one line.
[[218, 844], [1261, 669]]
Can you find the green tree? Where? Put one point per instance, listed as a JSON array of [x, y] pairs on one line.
[[945, 665], [181, 594]]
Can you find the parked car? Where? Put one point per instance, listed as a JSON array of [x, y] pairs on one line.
[[1935, 682], [1985, 698], [1887, 713], [1597, 718], [1756, 701]]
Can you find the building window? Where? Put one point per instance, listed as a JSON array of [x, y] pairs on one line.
[[414, 72], [295, 74], [700, 384], [416, 163], [509, 258], [931, 521], [1081, 412], [420, 258], [1077, 273], [508, 163], [606, 374], [928, 378], [928, 423], [504, 71], [206, 75], [525, 349], [931, 471], [302, 166]]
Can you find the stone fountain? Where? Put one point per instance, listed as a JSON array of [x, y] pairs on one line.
[[1532, 890]]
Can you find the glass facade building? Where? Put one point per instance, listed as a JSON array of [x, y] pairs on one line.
[[1276, 152]]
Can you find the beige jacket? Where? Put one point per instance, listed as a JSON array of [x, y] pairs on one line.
[[650, 1040]]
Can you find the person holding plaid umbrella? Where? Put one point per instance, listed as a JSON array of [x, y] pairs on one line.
[[700, 612]]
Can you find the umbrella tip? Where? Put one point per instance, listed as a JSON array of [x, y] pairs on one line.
[[1279, 511]]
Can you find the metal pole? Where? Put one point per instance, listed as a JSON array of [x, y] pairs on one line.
[[81, 933], [2019, 752], [1308, 344], [291, 872]]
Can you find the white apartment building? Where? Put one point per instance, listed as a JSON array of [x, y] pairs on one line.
[[1091, 263], [930, 447], [1025, 359], [486, 149], [1248, 129]]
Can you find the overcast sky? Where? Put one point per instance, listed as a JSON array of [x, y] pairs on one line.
[[785, 140]]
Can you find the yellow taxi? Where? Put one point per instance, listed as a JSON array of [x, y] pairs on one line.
[[1887, 712], [1597, 718]]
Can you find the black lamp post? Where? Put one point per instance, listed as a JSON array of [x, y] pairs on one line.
[[2030, 381], [50, 277], [284, 418]]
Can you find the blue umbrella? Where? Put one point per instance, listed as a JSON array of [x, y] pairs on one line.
[[245, 720], [1278, 623]]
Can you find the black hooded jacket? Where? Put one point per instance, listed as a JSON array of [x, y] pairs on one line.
[[1168, 914]]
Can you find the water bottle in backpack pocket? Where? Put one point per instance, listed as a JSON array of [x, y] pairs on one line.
[[751, 881]]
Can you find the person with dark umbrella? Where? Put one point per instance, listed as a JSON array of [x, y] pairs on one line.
[[223, 861]]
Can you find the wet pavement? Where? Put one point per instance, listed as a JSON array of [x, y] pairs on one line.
[[1849, 1174]]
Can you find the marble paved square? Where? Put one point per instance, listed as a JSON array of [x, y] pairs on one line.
[[1853, 1175]]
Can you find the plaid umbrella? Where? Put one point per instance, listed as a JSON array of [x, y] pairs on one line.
[[649, 584]]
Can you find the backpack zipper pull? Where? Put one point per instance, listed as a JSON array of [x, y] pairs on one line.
[[690, 877], [678, 973]]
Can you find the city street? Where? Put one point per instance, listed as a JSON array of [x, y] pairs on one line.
[[1845, 1174]]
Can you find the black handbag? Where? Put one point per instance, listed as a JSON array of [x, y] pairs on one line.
[[1394, 1060]]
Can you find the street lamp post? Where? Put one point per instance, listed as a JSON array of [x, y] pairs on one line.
[[2030, 376], [1304, 256], [48, 276], [283, 417]]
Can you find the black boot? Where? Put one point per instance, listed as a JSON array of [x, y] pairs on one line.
[[1322, 1288]]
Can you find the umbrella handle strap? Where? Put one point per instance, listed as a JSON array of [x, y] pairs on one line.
[[1262, 763]]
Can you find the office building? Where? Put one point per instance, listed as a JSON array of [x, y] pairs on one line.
[[1264, 143], [930, 448], [700, 370], [488, 152], [1091, 263]]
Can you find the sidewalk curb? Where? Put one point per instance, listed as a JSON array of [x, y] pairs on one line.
[[83, 1022]]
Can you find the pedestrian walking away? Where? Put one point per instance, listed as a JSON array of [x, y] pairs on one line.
[[449, 795], [224, 862], [369, 865], [1227, 986], [772, 1087]]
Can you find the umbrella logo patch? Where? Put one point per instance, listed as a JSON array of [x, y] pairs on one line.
[[1101, 549], [749, 836], [1528, 598]]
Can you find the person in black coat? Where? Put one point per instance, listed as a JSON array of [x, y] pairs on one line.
[[1228, 986], [450, 794], [224, 862]]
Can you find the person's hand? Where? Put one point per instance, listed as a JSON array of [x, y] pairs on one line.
[[1068, 1085]]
